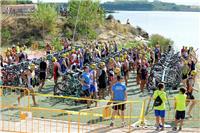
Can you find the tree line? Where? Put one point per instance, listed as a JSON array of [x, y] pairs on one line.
[[147, 6]]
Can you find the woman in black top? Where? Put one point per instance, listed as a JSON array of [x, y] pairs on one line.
[[42, 74], [102, 80]]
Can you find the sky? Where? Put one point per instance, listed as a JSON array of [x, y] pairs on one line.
[[184, 2]]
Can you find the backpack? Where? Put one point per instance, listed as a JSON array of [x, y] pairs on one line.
[[158, 101]]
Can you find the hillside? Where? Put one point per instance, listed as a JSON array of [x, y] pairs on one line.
[[148, 6]]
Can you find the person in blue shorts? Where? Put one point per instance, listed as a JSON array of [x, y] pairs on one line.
[[85, 82], [160, 108], [93, 82]]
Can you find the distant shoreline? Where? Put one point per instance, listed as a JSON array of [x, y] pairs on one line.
[[126, 5], [117, 11]]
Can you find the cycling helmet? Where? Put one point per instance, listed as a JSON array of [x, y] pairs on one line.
[[185, 62], [102, 64], [63, 55], [117, 58], [93, 66], [193, 73], [32, 66], [111, 60], [8, 49], [117, 70], [54, 59], [73, 50], [122, 59], [67, 54]]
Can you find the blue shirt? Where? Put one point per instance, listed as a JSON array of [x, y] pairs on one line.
[[119, 91], [86, 78]]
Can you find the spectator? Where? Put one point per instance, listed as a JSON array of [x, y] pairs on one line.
[[119, 95], [180, 106], [160, 98]]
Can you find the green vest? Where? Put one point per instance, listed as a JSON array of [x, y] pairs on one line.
[[180, 102]]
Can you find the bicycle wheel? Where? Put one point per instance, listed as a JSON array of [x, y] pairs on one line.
[[49, 73], [50, 70], [13, 79], [64, 86], [57, 88]]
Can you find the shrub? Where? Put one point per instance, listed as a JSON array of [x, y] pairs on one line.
[[162, 41]]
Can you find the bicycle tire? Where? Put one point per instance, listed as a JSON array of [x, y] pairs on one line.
[[57, 87], [62, 87], [13, 79], [49, 73]]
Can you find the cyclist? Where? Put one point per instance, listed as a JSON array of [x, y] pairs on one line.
[[9, 59], [93, 82], [118, 63], [111, 66], [138, 77], [125, 69], [117, 72], [29, 75], [189, 93], [73, 59], [1, 61], [56, 69], [185, 72], [157, 53], [86, 56], [42, 74], [102, 80], [48, 48], [144, 76], [63, 63], [85, 82], [152, 59], [21, 55]]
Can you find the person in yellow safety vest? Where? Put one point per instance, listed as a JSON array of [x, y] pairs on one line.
[[180, 107], [160, 97]]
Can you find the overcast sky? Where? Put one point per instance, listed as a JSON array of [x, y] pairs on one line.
[[185, 2]]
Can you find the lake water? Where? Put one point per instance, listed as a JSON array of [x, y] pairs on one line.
[[182, 27]]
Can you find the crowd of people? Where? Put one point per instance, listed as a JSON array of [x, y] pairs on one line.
[[14, 55], [101, 78]]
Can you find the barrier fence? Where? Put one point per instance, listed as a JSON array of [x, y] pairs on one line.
[[99, 118], [75, 117], [9, 96]]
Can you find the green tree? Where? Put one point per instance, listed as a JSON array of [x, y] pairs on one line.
[[85, 16], [162, 41], [45, 18], [24, 1], [5, 35], [8, 2]]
